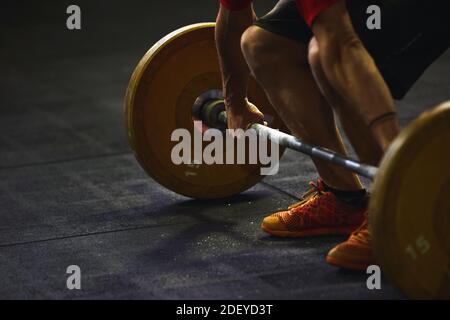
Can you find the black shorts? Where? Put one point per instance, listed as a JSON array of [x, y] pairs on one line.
[[413, 34]]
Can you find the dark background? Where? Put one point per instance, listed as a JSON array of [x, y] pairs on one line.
[[72, 193]]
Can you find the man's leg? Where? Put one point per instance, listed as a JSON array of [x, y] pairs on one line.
[[358, 132], [351, 82], [352, 74], [402, 54], [281, 67]]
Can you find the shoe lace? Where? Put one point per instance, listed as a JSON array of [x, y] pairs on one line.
[[362, 233], [316, 189]]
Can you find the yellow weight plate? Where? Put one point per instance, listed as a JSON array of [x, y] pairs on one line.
[[410, 208], [162, 90]]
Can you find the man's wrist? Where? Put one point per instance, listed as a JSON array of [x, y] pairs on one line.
[[235, 104]]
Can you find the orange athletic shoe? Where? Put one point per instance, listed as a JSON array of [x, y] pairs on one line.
[[355, 253], [318, 213]]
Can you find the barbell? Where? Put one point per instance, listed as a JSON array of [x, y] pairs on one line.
[[409, 210]]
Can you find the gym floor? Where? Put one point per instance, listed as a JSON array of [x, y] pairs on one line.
[[71, 192]]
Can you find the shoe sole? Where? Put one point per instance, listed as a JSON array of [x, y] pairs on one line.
[[310, 233], [348, 265]]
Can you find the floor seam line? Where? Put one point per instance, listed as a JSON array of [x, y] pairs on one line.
[[39, 164], [9, 245]]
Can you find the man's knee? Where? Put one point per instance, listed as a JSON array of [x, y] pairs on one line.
[[254, 45], [313, 55], [259, 49], [315, 63]]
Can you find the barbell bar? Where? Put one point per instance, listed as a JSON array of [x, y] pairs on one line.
[[291, 142]]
